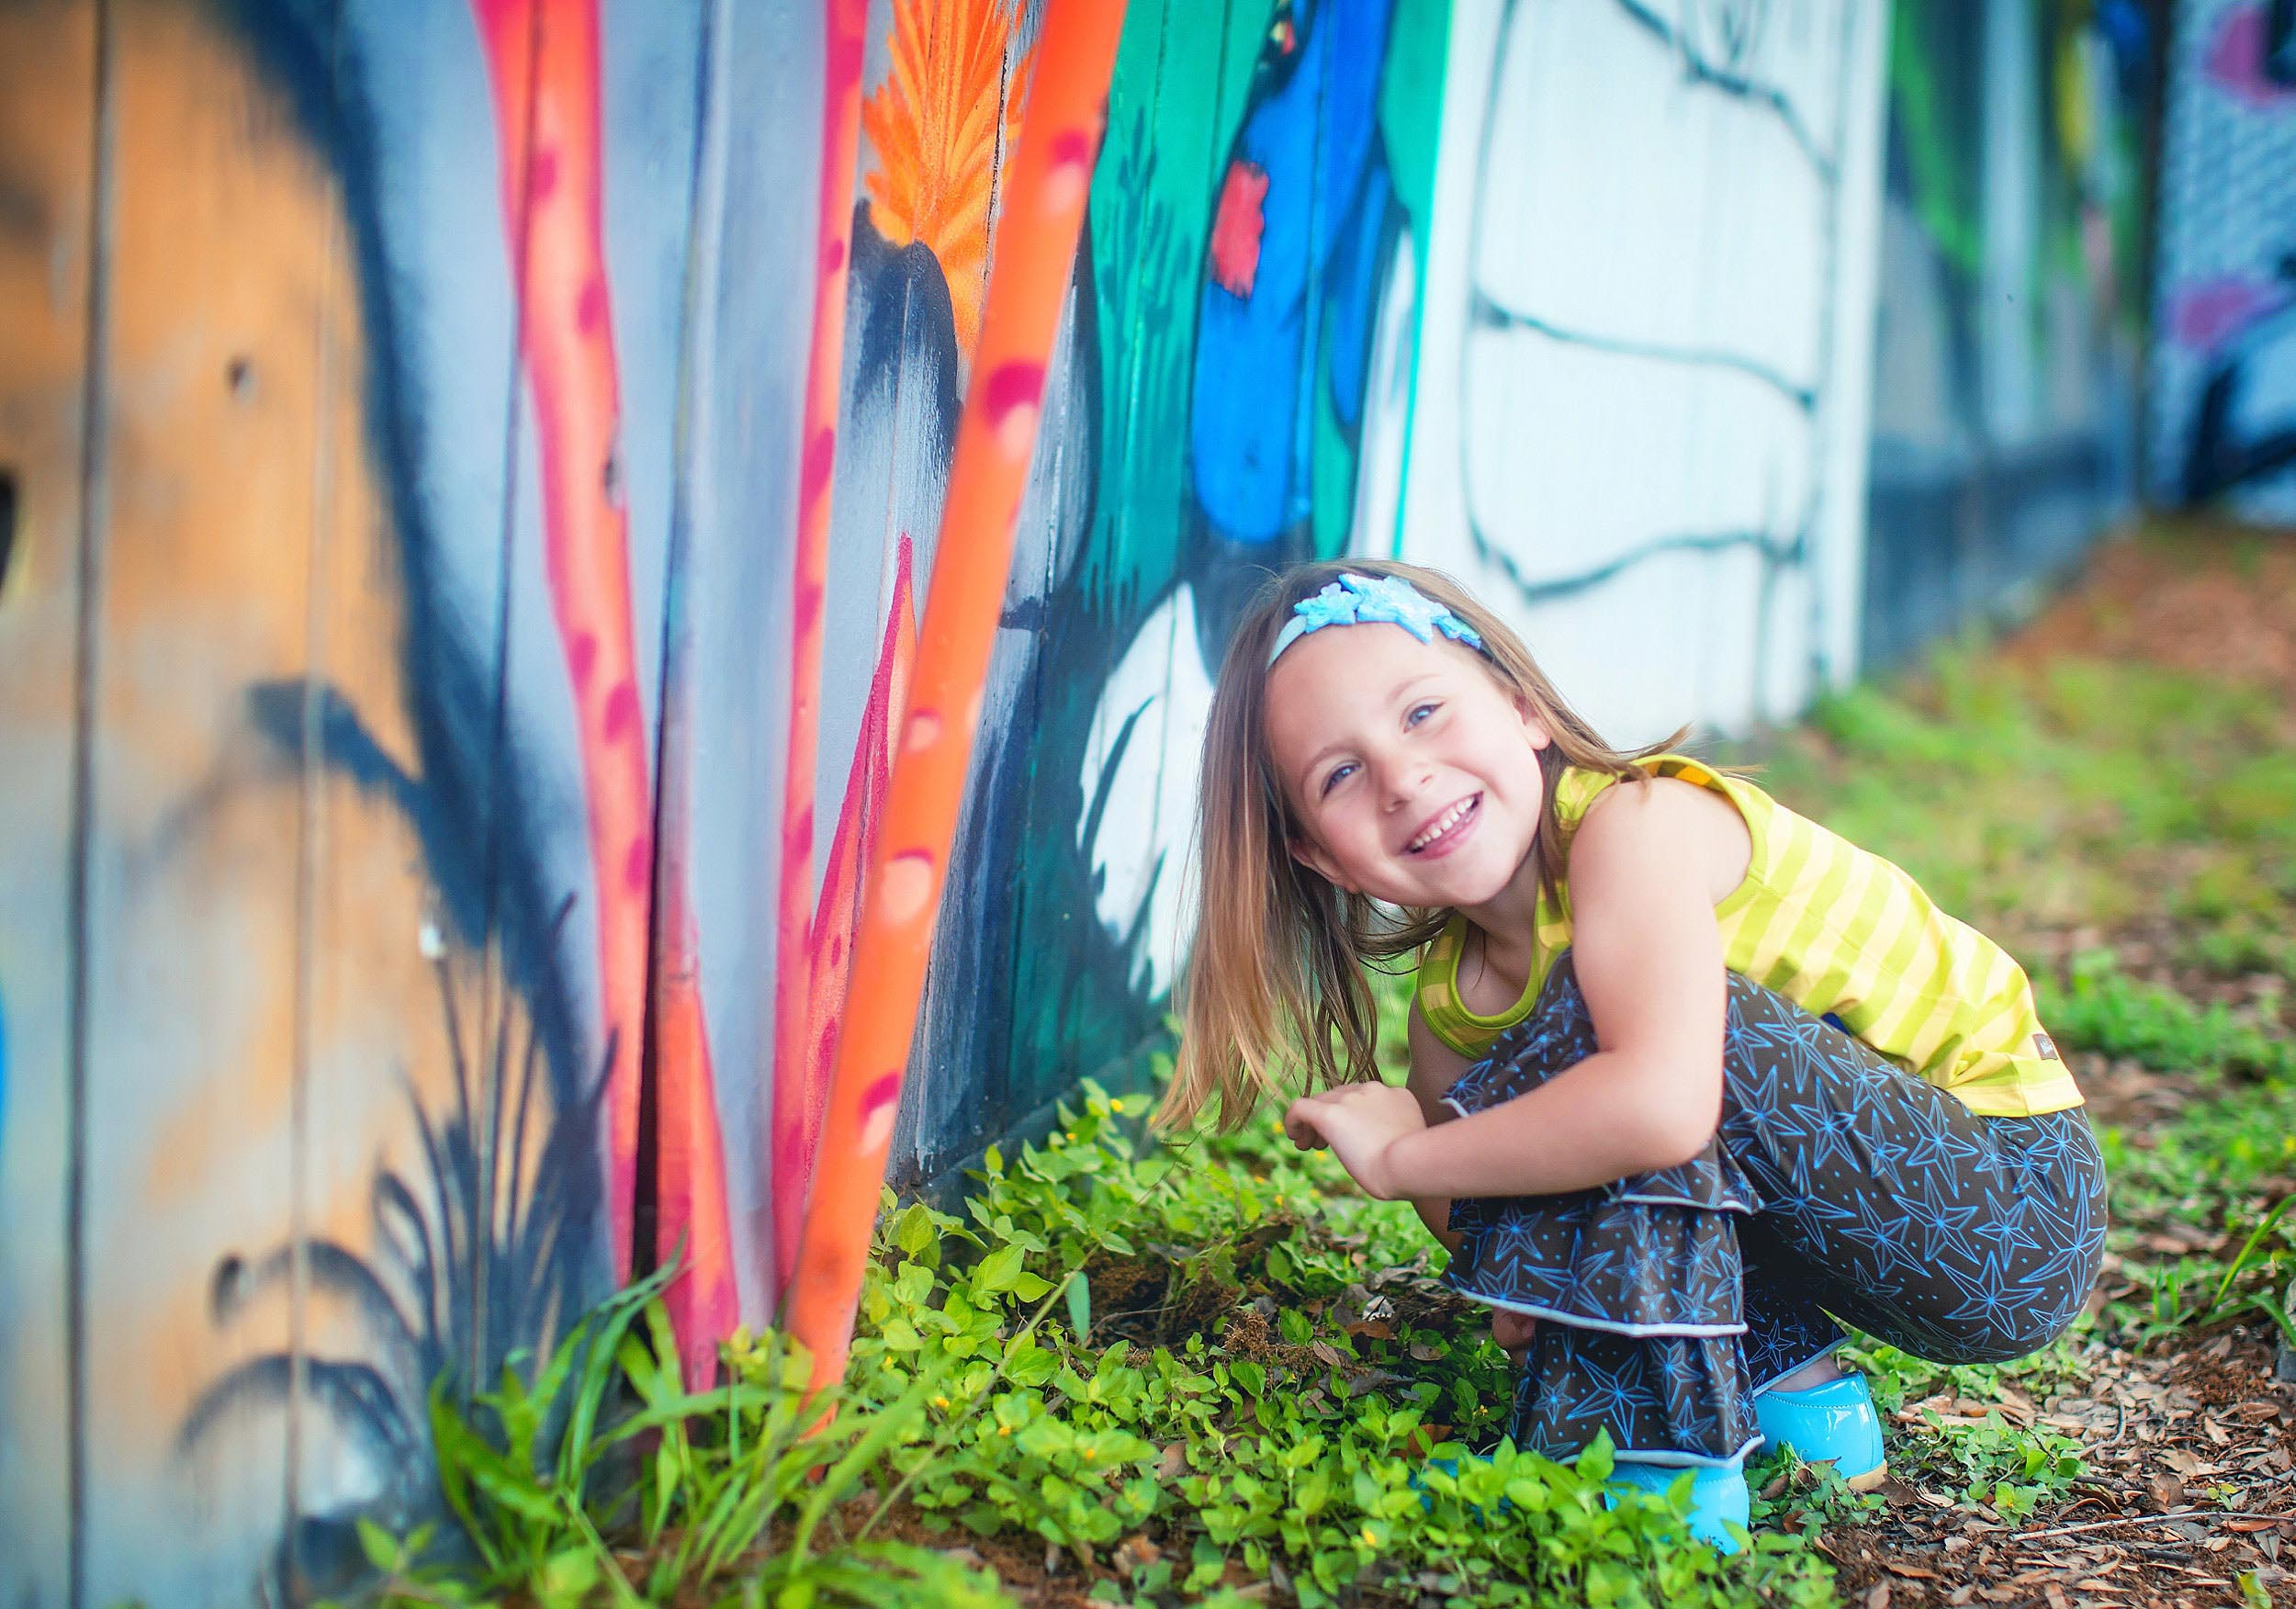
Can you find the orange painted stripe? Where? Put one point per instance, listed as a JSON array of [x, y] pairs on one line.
[[1037, 229], [798, 1098], [551, 207]]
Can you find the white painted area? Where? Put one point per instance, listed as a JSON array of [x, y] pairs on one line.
[[1384, 448], [1553, 427], [1786, 50], [1838, 577], [1142, 839], [1639, 423], [1623, 202], [2012, 219]]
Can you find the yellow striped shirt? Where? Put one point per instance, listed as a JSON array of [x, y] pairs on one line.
[[1836, 929]]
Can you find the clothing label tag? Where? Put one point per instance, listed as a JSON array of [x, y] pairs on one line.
[[2045, 1047]]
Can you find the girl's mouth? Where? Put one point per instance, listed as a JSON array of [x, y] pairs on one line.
[[1438, 836]]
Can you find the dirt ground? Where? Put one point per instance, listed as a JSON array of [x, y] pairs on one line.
[[2199, 1414]]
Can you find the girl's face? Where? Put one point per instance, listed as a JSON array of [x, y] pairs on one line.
[[1412, 774]]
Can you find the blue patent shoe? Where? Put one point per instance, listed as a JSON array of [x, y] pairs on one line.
[[1833, 1423], [1718, 1498]]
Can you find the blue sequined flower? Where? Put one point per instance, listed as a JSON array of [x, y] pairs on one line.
[[1355, 600]]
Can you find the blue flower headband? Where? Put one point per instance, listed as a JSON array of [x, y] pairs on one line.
[[1355, 600]]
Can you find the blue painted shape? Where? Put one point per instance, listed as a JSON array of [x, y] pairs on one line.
[[1312, 133]]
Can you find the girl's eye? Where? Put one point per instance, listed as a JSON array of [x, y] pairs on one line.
[[1418, 713], [1336, 775]]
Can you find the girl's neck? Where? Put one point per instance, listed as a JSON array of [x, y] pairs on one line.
[[1509, 919]]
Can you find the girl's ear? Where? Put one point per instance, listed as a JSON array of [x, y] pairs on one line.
[[1539, 735], [1317, 862]]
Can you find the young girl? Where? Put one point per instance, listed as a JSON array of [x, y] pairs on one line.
[[1688, 1072]]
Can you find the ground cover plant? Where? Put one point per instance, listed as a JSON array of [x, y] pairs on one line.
[[1141, 1374]]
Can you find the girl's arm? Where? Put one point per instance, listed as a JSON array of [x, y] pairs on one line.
[[1646, 866], [1435, 1067]]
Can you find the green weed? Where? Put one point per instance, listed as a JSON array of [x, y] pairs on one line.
[[2099, 1008]]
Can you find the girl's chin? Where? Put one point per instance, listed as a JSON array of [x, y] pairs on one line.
[[1469, 885], [1459, 887]]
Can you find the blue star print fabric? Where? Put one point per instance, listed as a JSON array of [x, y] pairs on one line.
[[1837, 1183]]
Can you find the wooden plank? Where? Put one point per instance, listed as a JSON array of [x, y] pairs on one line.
[[1037, 241], [594, 224], [453, 1207], [1123, 666], [960, 1092], [804, 1014], [748, 400], [689, 1172], [928, 171], [48, 87], [417, 1027], [1082, 449], [221, 226]]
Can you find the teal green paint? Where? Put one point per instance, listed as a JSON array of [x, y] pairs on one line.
[[1334, 465], [1173, 105], [1411, 122], [1410, 110], [1939, 118]]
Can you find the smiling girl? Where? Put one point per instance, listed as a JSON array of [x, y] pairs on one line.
[[1688, 1071]]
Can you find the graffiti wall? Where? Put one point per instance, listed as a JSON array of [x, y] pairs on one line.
[[351, 409], [471, 479], [424, 721], [2011, 303], [2222, 424]]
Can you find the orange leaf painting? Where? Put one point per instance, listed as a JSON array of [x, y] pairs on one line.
[[939, 123]]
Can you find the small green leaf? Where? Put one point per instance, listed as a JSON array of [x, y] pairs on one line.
[[914, 1231], [1080, 1305], [380, 1546], [998, 1270], [1033, 1368]]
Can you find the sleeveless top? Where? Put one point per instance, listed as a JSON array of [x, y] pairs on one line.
[[1836, 929]]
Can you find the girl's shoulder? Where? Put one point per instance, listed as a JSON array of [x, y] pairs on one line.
[[1690, 815], [1579, 790]]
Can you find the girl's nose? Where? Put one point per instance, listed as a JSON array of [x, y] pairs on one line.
[[1404, 782]]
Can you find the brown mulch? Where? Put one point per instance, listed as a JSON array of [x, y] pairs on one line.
[[2191, 1448], [2190, 1484], [2203, 599]]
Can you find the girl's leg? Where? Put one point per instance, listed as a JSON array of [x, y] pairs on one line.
[[1664, 1398], [1961, 1238], [1637, 1296], [1786, 1326], [1879, 1197]]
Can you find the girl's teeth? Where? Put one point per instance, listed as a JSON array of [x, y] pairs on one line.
[[1450, 819]]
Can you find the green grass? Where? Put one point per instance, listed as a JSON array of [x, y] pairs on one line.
[[2088, 792], [1192, 1370]]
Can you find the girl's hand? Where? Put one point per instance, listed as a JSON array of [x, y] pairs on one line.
[[1359, 1122], [1514, 1332]]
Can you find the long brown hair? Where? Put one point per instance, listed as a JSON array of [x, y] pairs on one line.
[[1276, 979]]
